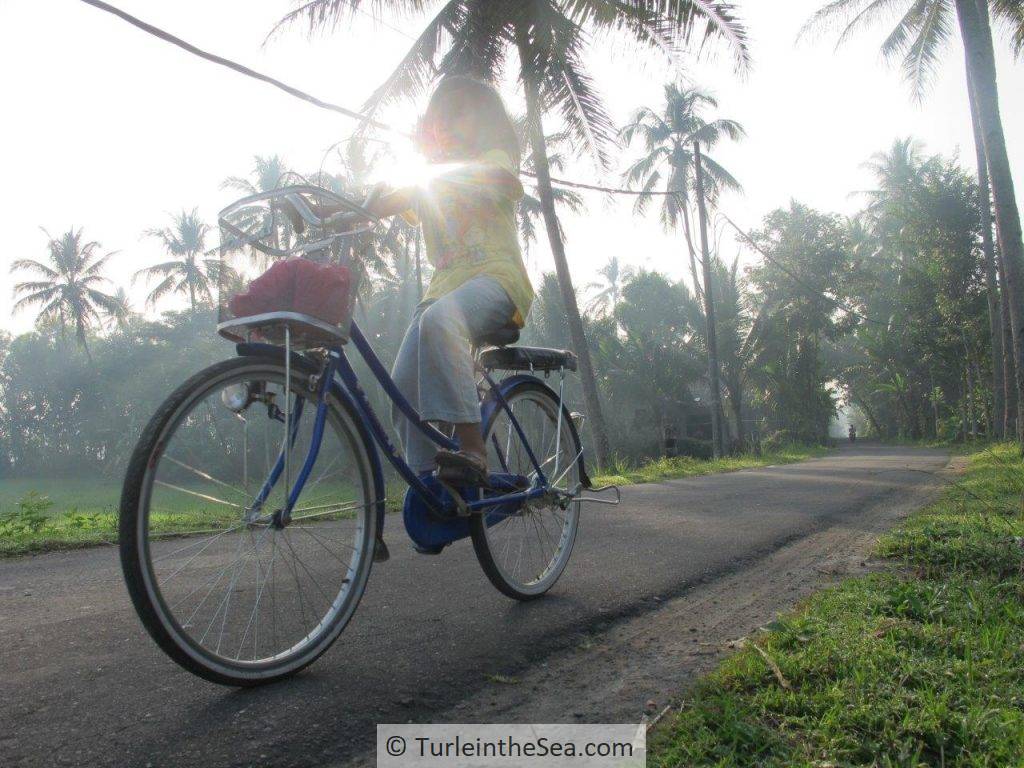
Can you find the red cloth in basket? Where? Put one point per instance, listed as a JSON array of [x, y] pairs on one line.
[[298, 285]]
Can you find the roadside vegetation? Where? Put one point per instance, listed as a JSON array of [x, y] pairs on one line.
[[922, 664], [627, 473], [82, 513]]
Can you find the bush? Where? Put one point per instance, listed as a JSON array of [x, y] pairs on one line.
[[29, 516], [694, 448], [776, 440]]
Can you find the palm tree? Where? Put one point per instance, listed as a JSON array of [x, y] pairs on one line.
[[121, 313], [735, 334], [671, 140], [268, 173], [609, 289], [68, 285], [476, 37], [188, 272], [530, 211], [668, 136], [924, 27]]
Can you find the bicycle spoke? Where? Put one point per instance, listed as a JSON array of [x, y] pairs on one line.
[[203, 496], [206, 476], [238, 589], [335, 555]]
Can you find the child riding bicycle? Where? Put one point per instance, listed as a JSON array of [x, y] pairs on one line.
[[480, 284]]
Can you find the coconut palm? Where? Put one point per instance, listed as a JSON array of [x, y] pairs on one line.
[[550, 36], [668, 136], [923, 29], [268, 173], [189, 272], [530, 209], [609, 288], [121, 313], [68, 286]]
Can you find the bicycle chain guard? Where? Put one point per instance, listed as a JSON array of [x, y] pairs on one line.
[[431, 533]]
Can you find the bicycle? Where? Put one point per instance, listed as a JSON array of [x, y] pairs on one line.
[[245, 571]]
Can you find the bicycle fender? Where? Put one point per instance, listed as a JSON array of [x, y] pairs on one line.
[[505, 386], [304, 363]]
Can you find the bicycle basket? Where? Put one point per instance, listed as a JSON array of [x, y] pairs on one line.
[[282, 275]]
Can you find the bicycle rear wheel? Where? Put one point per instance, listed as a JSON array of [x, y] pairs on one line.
[[525, 553], [224, 591]]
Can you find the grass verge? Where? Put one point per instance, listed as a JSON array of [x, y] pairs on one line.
[[40, 514], [624, 473], [920, 665]]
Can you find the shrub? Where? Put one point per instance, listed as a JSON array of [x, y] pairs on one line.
[[29, 516], [694, 448]]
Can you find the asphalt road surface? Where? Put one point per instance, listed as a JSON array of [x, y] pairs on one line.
[[82, 683]]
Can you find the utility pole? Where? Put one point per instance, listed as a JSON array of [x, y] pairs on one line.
[[709, 310]]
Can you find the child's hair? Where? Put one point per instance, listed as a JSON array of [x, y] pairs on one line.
[[456, 94]]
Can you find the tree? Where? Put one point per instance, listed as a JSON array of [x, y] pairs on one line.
[[918, 277], [268, 173], [734, 334], [69, 285], [809, 257], [613, 276], [924, 27], [559, 147], [667, 136], [189, 273], [549, 37], [671, 142]]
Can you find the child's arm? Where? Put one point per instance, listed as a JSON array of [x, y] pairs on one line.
[[389, 204]]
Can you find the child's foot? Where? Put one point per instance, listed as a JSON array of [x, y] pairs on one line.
[[459, 468]]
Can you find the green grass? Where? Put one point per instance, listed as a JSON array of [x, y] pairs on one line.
[[671, 469], [922, 664], [40, 514], [83, 495]]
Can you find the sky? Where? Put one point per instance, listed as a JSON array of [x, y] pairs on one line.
[[110, 130]]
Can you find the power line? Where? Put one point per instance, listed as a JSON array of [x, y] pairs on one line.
[[299, 94], [365, 120], [232, 65], [810, 289]]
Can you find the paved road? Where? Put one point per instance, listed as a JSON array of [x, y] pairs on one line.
[[82, 684]]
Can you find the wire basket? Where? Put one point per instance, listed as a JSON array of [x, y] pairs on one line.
[[283, 276]]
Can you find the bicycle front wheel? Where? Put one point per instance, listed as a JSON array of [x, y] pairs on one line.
[[223, 588], [526, 552]]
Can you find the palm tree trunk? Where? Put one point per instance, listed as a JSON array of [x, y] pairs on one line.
[[691, 250], [1010, 403], [995, 317], [977, 39], [709, 310], [547, 204], [736, 401]]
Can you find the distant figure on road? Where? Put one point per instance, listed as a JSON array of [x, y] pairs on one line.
[[853, 434]]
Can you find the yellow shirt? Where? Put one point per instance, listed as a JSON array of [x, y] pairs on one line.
[[469, 228]]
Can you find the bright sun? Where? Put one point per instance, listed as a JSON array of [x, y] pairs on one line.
[[405, 167]]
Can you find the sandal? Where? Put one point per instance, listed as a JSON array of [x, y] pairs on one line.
[[461, 469]]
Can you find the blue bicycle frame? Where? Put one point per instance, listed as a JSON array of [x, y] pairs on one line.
[[337, 366]]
